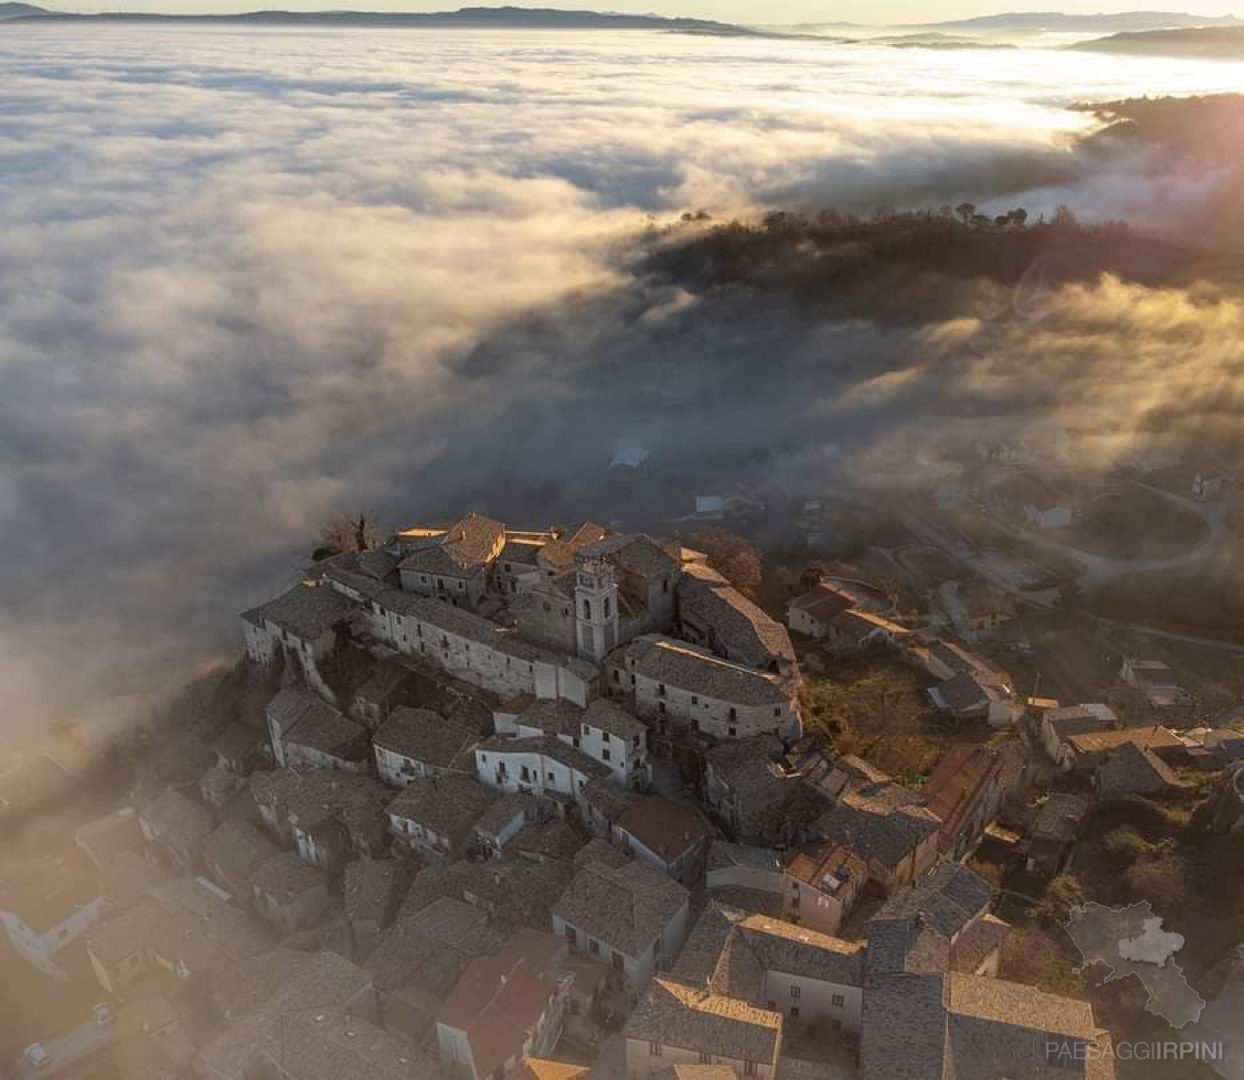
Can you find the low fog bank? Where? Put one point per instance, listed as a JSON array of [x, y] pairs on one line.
[[250, 282]]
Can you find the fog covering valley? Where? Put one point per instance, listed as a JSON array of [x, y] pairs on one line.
[[253, 277]]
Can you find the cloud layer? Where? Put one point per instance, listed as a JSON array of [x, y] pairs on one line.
[[249, 277]]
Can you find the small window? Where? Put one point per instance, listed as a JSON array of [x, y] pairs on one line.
[[734, 714], [795, 991], [605, 755], [694, 700], [661, 689], [508, 568], [733, 732], [423, 579], [461, 585], [839, 1001], [654, 1049], [749, 1068], [705, 1059], [777, 711], [661, 707], [794, 1012]]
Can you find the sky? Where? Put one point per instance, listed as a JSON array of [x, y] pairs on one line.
[[253, 278], [739, 11]]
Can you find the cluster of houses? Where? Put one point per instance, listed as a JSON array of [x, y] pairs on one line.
[[382, 880]]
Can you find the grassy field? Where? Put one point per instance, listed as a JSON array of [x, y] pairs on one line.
[[875, 706], [1136, 524]]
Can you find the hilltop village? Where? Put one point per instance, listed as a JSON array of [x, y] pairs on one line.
[[550, 804]]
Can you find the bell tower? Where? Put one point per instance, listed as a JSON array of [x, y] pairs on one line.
[[596, 609]]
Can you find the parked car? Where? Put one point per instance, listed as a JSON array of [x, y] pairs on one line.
[[37, 1056], [104, 1014]]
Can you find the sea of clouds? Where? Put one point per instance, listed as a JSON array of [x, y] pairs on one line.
[[250, 277]]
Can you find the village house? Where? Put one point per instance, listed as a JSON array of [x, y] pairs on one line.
[[420, 742], [453, 566], [48, 903], [196, 933], [1059, 724], [331, 817], [304, 730], [376, 698], [233, 853], [714, 614], [633, 918], [553, 840], [854, 630], [669, 836], [971, 688], [307, 1015], [506, 1008], [879, 820], [823, 880], [1134, 769], [987, 610], [604, 731], [1156, 681], [371, 891], [304, 623], [420, 958], [745, 869], [435, 816], [541, 765], [289, 893], [746, 787], [1053, 832], [965, 793], [104, 839], [812, 612], [603, 803], [504, 820], [175, 828], [1084, 753], [669, 681], [117, 947]]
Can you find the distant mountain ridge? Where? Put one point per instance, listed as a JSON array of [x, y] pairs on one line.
[[1037, 22], [1208, 42], [501, 17], [20, 11]]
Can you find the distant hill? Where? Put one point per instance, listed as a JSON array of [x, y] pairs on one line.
[[20, 11], [1019, 23], [1212, 42], [1057, 22], [500, 17]]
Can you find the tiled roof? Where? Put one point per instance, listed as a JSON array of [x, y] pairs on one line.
[[285, 877], [127, 933], [636, 554], [826, 866], [609, 716], [692, 1018], [464, 624], [508, 806], [306, 611], [315, 797], [238, 849], [463, 549], [1100, 741], [548, 746], [432, 947], [372, 888], [1079, 720], [947, 899], [179, 820], [425, 736], [626, 907], [321, 727], [748, 766], [237, 741], [666, 828], [698, 671], [598, 850], [855, 625], [196, 928], [952, 790], [501, 998], [731, 952], [739, 626], [552, 839], [1134, 770], [559, 554], [1060, 817], [823, 602], [557, 717], [877, 818], [608, 800], [724, 856], [448, 805]]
